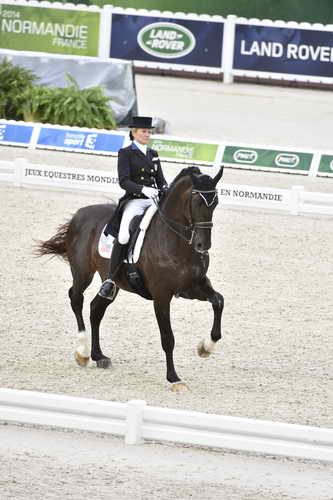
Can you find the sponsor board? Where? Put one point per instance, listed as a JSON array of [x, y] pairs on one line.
[[80, 140], [15, 134], [326, 165], [51, 30], [185, 150], [162, 39], [284, 50], [267, 158], [66, 178], [254, 196]]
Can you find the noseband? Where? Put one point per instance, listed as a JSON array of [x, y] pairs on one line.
[[191, 228]]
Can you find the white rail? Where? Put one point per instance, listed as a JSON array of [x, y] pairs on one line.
[[295, 201], [137, 421]]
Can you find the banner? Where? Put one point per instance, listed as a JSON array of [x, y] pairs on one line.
[[266, 158], [284, 50], [232, 194], [166, 40], [326, 164], [196, 152], [15, 134], [46, 29], [76, 178], [80, 140]]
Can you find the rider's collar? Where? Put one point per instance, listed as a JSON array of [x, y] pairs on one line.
[[142, 147]]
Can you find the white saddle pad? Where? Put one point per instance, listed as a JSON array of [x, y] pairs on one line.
[[105, 243]]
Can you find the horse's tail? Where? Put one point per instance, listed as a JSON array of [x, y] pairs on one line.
[[56, 245]]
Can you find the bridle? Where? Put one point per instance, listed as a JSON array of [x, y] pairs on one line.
[[182, 229]]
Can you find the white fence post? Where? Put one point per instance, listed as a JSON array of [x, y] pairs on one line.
[[105, 31], [315, 164], [20, 164], [228, 48], [34, 136], [134, 418], [295, 199], [219, 155]]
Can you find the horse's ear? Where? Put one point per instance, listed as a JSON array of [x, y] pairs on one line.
[[218, 175]]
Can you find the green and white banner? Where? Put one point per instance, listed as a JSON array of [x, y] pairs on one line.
[[185, 151], [46, 29], [326, 165], [292, 161]]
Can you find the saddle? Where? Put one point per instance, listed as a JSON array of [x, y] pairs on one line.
[[137, 229]]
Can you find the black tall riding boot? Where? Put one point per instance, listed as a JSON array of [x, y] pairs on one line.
[[108, 288]]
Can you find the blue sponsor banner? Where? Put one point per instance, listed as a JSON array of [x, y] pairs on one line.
[[80, 140], [15, 134], [167, 40], [284, 50]]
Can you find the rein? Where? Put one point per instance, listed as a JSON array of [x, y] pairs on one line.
[[179, 228]]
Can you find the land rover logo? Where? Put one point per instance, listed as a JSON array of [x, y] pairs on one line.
[[245, 156], [167, 40], [287, 160]]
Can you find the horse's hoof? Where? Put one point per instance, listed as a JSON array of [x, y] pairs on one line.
[[81, 360], [179, 387], [202, 351], [104, 363]]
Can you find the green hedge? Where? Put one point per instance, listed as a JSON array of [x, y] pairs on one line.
[[287, 10], [21, 99]]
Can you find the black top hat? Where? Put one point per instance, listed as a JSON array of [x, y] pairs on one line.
[[141, 122]]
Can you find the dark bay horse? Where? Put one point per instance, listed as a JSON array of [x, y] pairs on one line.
[[174, 261]]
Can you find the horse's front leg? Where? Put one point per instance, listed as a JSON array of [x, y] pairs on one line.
[[97, 310], [162, 312], [205, 291]]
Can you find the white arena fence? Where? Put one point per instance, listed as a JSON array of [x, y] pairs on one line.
[[171, 149], [296, 200], [137, 421]]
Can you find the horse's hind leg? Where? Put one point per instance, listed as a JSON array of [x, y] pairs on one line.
[[205, 291], [81, 281]]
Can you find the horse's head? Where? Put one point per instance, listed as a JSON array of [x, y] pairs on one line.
[[202, 203], [198, 196]]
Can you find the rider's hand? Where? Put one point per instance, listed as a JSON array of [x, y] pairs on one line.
[[151, 193]]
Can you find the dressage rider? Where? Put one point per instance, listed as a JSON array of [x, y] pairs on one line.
[[140, 175]]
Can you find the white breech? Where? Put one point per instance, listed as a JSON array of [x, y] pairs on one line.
[[132, 208]]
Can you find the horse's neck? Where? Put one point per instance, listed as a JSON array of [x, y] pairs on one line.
[[175, 203]]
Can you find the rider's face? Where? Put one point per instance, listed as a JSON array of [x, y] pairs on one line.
[[142, 135]]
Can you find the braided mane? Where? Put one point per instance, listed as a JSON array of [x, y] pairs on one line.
[[199, 180], [191, 171]]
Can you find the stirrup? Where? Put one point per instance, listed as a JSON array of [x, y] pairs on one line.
[[108, 289]]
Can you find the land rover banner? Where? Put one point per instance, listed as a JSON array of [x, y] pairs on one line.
[[284, 50], [45, 29], [167, 40], [267, 158], [195, 152]]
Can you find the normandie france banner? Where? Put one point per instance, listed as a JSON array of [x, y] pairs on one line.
[[60, 31]]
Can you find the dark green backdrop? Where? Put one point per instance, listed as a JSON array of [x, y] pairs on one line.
[[312, 11]]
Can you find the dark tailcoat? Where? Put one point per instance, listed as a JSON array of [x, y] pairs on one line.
[[135, 170]]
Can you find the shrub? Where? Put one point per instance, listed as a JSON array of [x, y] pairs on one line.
[[14, 80], [68, 106]]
